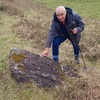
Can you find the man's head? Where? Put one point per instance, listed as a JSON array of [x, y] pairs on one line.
[[61, 13]]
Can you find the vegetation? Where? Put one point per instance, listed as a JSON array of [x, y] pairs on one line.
[[25, 24], [87, 8]]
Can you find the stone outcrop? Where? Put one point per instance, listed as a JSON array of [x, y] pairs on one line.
[[27, 66]]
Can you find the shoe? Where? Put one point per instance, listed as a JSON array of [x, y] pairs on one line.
[[77, 60]]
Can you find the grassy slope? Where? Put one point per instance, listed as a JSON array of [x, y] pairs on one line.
[[87, 8], [9, 90], [9, 37]]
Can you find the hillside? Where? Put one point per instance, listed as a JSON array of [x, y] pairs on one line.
[[25, 24]]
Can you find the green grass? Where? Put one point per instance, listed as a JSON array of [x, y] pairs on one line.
[[8, 37], [86, 8], [7, 42]]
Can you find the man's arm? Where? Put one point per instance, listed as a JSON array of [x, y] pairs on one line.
[[52, 33], [79, 23]]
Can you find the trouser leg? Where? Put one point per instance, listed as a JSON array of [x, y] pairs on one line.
[[76, 52], [55, 47], [75, 47]]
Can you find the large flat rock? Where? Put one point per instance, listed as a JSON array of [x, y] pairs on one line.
[[27, 66]]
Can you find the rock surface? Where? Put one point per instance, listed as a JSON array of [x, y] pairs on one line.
[[27, 66]]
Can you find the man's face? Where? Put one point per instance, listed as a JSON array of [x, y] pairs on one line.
[[61, 15]]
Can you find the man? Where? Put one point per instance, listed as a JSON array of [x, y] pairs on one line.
[[65, 25]]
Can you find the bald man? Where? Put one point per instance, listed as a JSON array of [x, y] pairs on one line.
[[66, 24]]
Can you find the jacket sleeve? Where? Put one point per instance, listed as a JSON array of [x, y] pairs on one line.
[[79, 23], [51, 35]]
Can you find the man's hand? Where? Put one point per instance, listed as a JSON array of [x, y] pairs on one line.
[[45, 52], [74, 31]]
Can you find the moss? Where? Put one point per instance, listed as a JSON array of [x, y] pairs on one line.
[[21, 67], [18, 58]]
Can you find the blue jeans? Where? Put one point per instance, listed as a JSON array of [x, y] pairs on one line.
[[55, 47]]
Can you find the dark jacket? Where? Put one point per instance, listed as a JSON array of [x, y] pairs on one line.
[[70, 18]]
